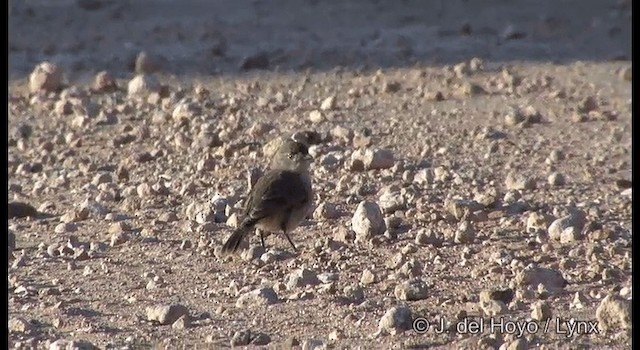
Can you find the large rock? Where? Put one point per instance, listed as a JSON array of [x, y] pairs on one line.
[[45, 77], [533, 276], [396, 320], [254, 298], [367, 221], [614, 313], [166, 314], [369, 159]]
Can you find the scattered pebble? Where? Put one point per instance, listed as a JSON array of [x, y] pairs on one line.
[[166, 314], [328, 104], [557, 227], [556, 179], [396, 320], [260, 296], [540, 311], [614, 313], [301, 278], [367, 221], [368, 277], [143, 85], [369, 159], [410, 290], [533, 276], [47, 77], [519, 181], [19, 325]]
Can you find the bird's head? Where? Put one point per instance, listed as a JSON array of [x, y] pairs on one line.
[[292, 155]]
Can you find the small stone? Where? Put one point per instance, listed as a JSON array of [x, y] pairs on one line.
[[241, 338], [367, 221], [391, 200], [254, 252], [614, 313], [392, 222], [435, 96], [465, 233], [118, 238], [104, 82], [120, 226], [291, 342], [301, 278], [411, 290], [101, 179], [166, 314], [185, 110], [533, 276], [260, 339], [256, 297], [396, 320], [45, 77], [492, 308], [470, 89], [556, 179], [259, 129], [19, 325], [143, 85], [556, 156], [575, 219], [391, 86], [368, 277], [461, 208], [336, 334], [342, 133], [183, 322], [313, 344], [328, 104], [65, 227], [316, 116], [519, 181], [62, 344], [541, 311], [570, 235], [587, 104], [428, 237], [353, 293], [327, 211], [579, 301], [369, 159]]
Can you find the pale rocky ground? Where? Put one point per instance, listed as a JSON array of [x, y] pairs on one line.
[[489, 143]]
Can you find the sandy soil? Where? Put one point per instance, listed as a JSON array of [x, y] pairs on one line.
[[510, 128]]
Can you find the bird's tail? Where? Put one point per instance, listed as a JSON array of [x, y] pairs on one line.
[[233, 242]]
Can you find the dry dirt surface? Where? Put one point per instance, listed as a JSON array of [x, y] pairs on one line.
[[471, 173]]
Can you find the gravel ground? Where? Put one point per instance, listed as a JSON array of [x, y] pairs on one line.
[[472, 172]]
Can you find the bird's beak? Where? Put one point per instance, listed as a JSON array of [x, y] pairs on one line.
[[307, 157]]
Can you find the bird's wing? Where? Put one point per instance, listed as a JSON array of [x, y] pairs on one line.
[[276, 190]]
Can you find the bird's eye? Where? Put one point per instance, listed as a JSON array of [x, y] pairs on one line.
[[291, 155]]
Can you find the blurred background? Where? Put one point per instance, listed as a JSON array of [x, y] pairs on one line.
[[205, 37]]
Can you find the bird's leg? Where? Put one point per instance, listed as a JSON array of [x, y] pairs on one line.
[[262, 238], [283, 227], [290, 241]]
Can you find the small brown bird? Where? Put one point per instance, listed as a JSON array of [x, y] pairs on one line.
[[280, 199]]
